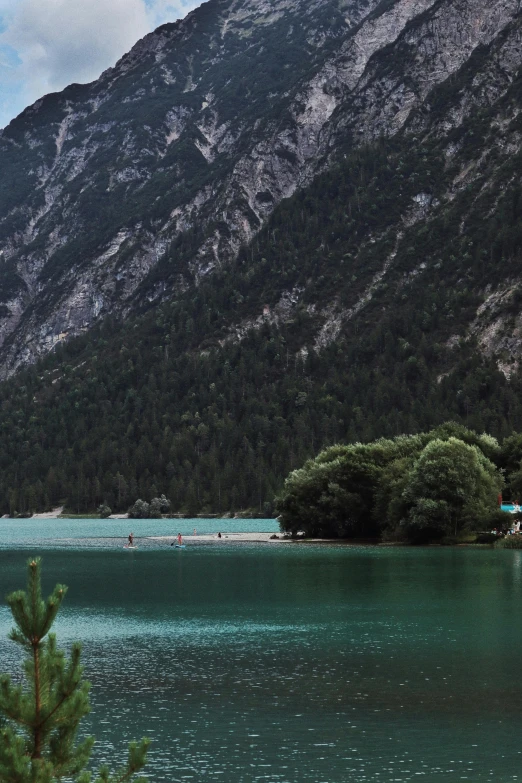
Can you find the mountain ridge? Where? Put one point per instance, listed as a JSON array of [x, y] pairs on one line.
[[201, 165]]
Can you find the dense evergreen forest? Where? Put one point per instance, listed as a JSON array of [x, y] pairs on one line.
[[218, 430], [212, 403]]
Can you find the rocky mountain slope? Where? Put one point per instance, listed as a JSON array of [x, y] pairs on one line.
[[130, 191], [270, 228]]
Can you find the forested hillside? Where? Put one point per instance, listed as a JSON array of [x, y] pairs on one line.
[[124, 417], [183, 401], [377, 295]]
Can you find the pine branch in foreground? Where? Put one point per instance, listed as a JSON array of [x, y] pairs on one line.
[[39, 722]]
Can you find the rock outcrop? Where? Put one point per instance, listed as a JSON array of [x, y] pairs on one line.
[[120, 194]]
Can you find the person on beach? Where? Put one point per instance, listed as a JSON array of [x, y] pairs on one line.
[[219, 535], [131, 539], [195, 532], [180, 540]]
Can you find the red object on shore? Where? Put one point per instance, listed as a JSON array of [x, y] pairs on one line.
[[500, 499]]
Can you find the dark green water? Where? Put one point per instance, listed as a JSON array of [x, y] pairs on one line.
[[294, 663]]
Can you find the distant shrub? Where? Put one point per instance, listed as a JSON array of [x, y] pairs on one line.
[[486, 538], [153, 510], [497, 520], [510, 542], [104, 511], [139, 510], [159, 506]]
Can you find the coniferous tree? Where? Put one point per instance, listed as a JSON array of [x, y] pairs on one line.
[[39, 723]]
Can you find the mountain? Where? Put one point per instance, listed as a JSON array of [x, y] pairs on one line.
[[270, 227], [128, 191], [99, 181]]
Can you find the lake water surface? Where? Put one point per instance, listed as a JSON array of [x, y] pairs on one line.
[[288, 662]]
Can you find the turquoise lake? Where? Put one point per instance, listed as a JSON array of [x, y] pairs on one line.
[[287, 662]]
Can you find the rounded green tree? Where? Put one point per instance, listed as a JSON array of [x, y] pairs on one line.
[[451, 485]]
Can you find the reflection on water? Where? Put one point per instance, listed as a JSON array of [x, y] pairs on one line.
[[292, 663]]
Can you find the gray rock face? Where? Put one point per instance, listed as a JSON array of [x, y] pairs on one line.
[[119, 194]]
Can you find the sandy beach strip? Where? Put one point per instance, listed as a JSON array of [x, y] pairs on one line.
[[259, 538], [54, 514], [264, 538]]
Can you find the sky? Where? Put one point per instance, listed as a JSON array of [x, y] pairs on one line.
[[47, 44]]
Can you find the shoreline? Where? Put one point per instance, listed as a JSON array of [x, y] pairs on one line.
[[176, 517], [256, 538], [266, 538], [54, 514], [260, 537]]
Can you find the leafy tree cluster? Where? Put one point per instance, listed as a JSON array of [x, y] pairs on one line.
[[419, 488], [153, 510]]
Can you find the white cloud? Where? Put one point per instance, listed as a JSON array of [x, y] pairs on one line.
[[161, 11], [62, 41], [57, 42]]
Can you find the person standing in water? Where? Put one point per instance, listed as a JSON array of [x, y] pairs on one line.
[[180, 540], [131, 539]]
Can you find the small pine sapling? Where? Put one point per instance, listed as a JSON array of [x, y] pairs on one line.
[[39, 722]]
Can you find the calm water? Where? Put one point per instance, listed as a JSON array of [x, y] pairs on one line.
[[296, 663]]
